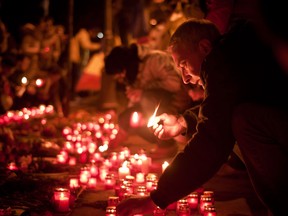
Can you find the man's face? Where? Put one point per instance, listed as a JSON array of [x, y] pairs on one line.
[[189, 63]]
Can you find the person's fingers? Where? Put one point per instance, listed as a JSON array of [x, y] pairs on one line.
[[158, 130]]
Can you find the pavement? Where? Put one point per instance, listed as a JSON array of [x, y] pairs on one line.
[[234, 194]]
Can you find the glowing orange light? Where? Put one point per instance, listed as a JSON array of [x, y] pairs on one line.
[[135, 119], [39, 82], [152, 121]]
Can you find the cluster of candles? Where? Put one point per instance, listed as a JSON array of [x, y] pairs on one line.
[[122, 172], [26, 113], [86, 141], [201, 200], [113, 172]]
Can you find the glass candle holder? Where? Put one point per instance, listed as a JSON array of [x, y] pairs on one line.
[[204, 201], [129, 187], [110, 181], [84, 175], [209, 193], [141, 190], [151, 179], [103, 171], [183, 209], [92, 182], [74, 183], [113, 201], [181, 202], [61, 199], [159, 212], [111, 211], [193, 200], [140, 177], [209, 210]]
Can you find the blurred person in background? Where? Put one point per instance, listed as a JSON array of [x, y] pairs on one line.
[[82, 47]]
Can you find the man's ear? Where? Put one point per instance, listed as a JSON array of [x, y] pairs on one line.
[[205, 46]]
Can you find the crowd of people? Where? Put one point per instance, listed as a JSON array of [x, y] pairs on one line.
[[36, 53], [234, 57]]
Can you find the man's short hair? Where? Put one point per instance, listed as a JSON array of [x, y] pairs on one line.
[[191, 32]]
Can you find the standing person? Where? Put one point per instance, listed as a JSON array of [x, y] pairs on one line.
[[82, 45], [245, 101], [150, 78]]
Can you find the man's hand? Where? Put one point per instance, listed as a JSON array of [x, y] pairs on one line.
[[168, 126], [135, 205]]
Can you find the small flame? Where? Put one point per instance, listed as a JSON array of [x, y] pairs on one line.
[[151, 121], [24, 80], [39, 82]]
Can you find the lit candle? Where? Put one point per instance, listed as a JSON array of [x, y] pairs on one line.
[[84, 175], [92, 147], [141, 190], [109, 181], [151, 180], [113, 201], [135, 119], [93, 170], [74, 183], [209, 193], [103, 171], [61, 199], [159, 212], [145, 164], [72, 161], [61, 158], [140, 177], [183, 210], [12, 166], [92, 182], [181, 202], [205, 200], [192, 200], [110, 211], [123, 171], [209, 210], [114, 159]]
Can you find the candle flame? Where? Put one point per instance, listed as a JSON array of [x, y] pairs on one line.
[[151, 121]]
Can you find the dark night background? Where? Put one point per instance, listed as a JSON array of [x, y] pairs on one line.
[[15, 13]]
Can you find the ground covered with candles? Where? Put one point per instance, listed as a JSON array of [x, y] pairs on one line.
[[52, 165]]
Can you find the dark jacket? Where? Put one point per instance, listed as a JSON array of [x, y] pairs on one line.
[[240, 69]]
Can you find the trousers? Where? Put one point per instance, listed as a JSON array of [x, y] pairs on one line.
[[261, 132]]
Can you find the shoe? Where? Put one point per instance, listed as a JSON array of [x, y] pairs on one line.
[[164, 152]]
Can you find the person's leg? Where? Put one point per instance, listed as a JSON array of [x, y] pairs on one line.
[[262, 135]]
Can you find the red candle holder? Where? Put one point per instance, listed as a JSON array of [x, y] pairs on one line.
[[111, 211], [205, 200], [209, 210], [193, 200], [62, 199], [113, 201]]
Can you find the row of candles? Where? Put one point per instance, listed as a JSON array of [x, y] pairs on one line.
[[26, 113], [202, 202]]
